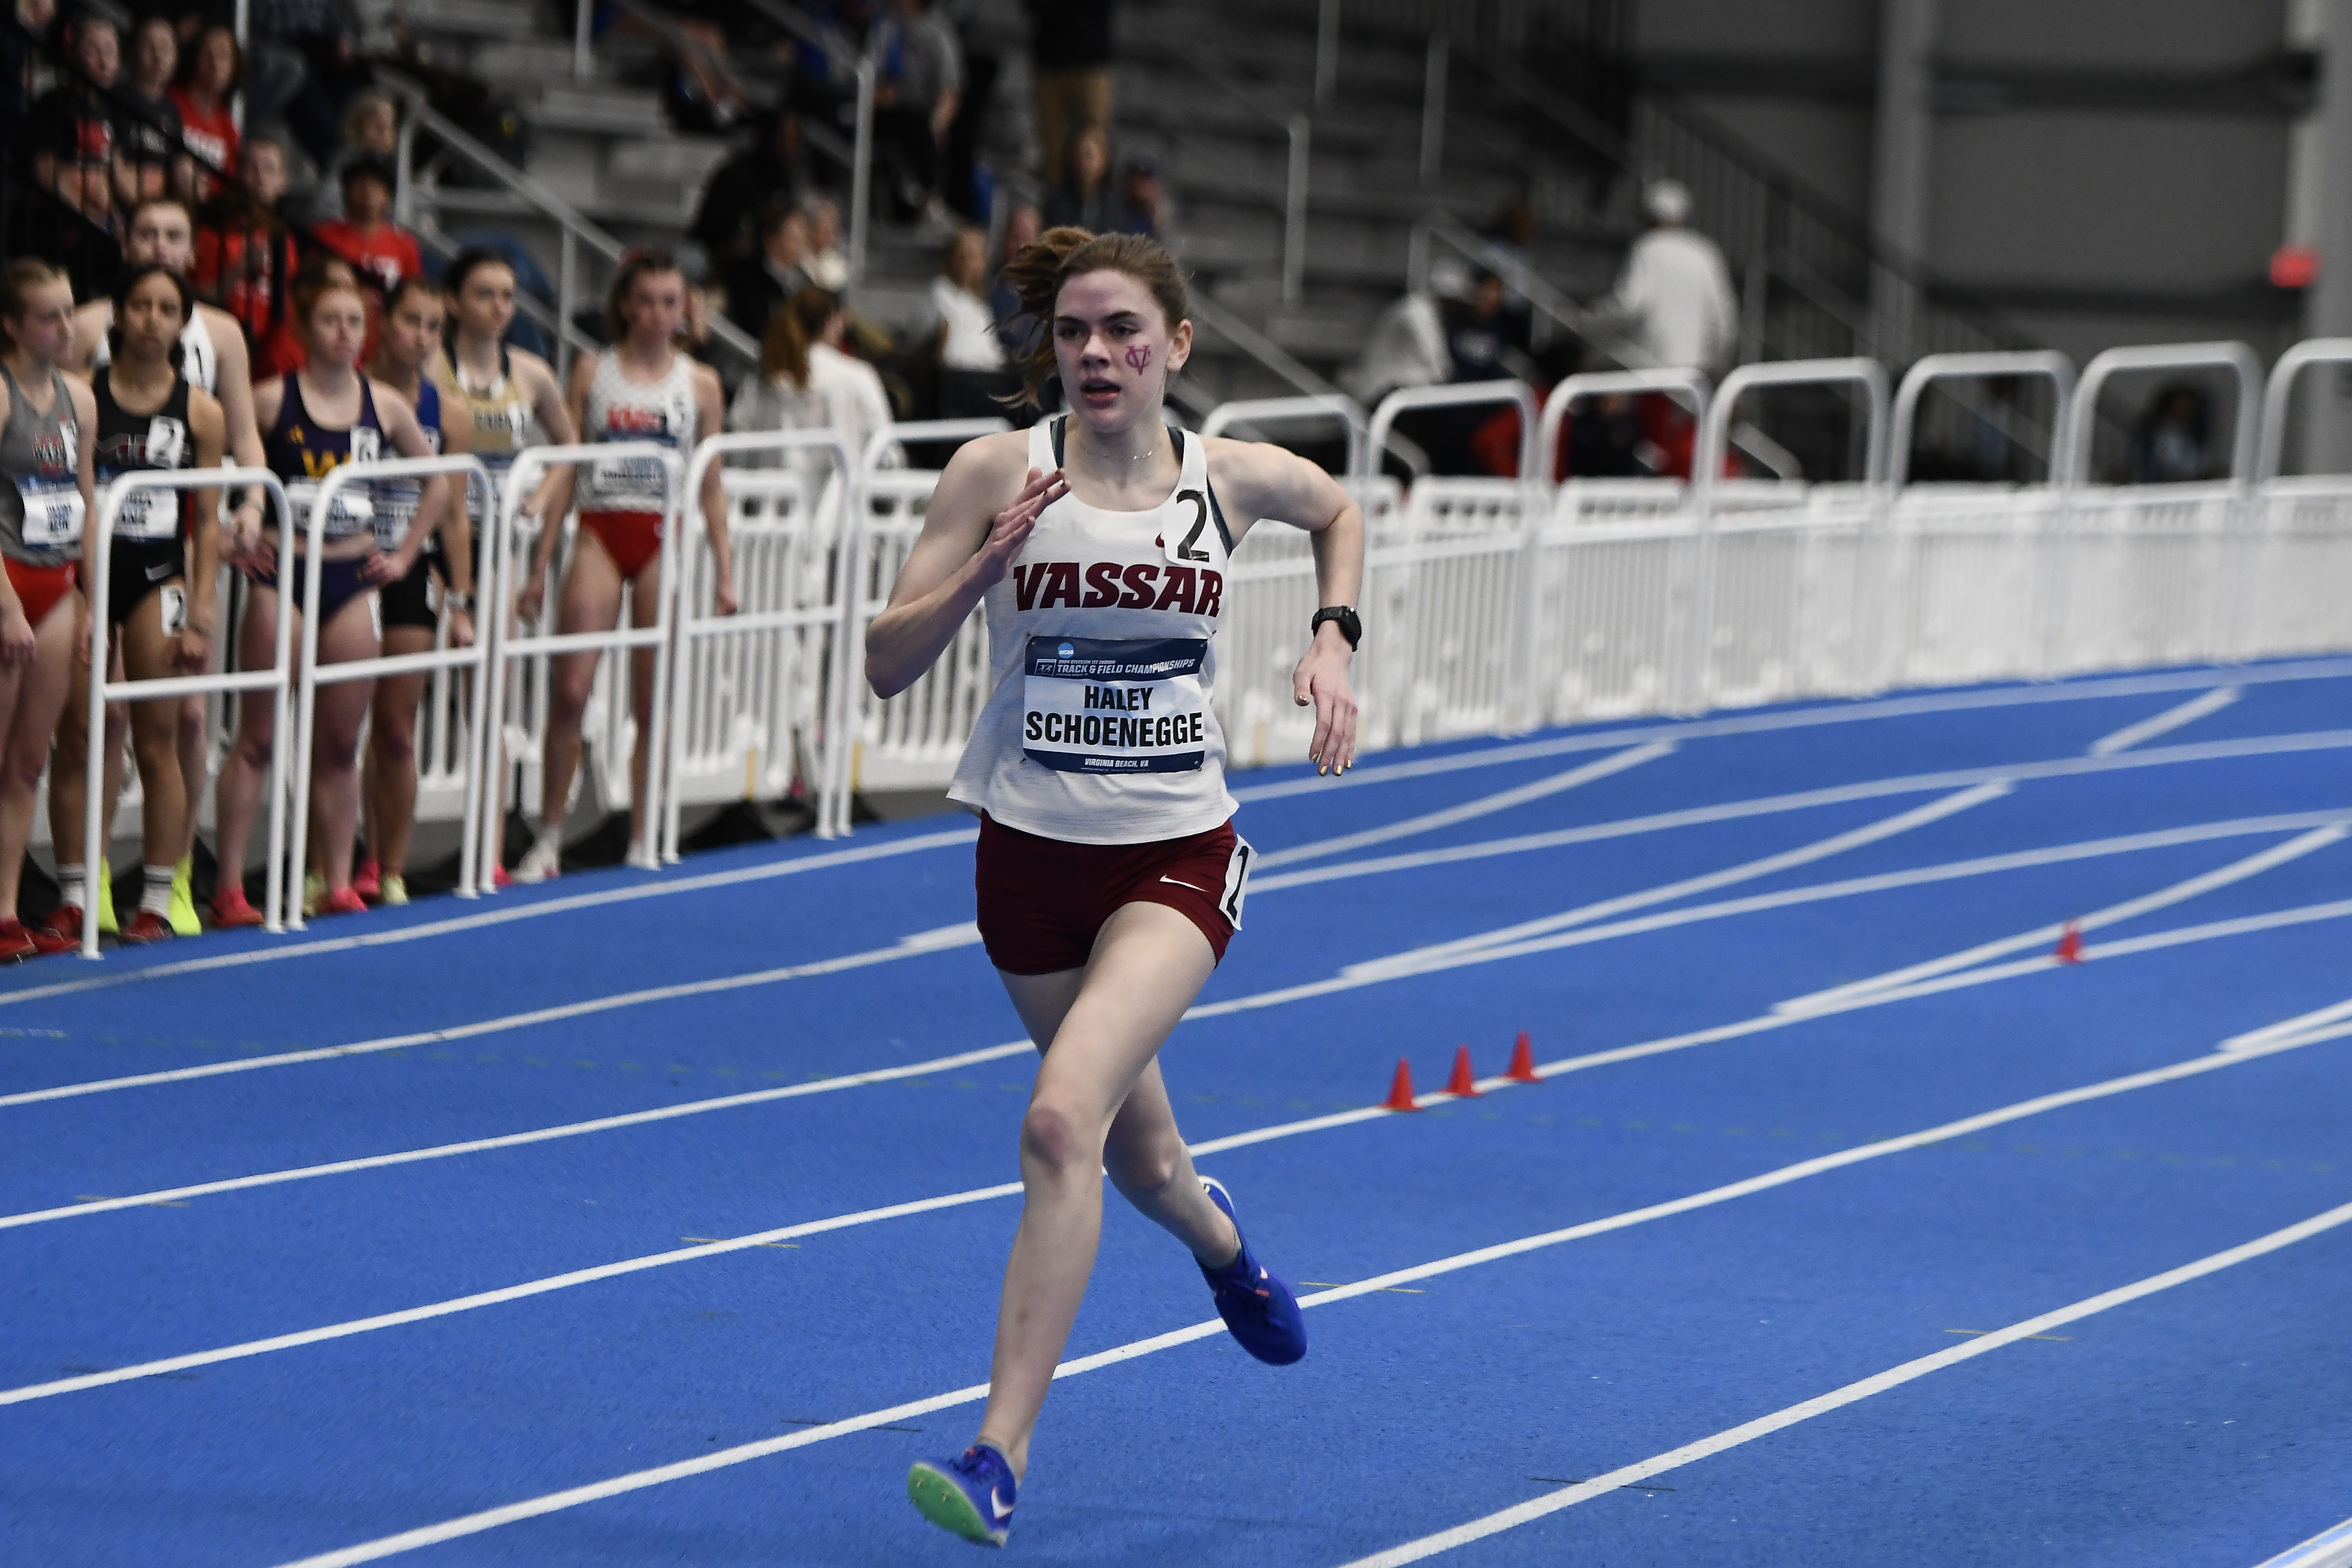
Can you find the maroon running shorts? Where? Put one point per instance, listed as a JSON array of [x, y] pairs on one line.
[[1042, 901]]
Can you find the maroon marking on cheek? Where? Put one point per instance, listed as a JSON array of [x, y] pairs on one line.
[[1139, 356]]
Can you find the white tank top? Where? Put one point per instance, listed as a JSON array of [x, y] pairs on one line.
[[1099, 727], [199, 361], [620, 409]]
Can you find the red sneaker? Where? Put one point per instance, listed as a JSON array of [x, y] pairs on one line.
[[147, 926], [61, 932], [16, 943], [368, 882], [500, 877], [343, 901], [231, 910]]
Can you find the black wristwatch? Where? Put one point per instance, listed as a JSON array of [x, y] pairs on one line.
[[1345, 615]]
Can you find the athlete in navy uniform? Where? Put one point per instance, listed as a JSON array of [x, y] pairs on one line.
[[1110, 876]]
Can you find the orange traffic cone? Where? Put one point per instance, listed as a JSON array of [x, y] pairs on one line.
[[1523, 1062], [1464, 1084], [2070, 944], [1400, 1089]]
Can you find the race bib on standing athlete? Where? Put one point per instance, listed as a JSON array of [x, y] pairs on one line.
[[53, 511], [1096, 705]]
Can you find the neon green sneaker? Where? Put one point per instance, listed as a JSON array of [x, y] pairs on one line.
[[393, 891], [182, 914], [314, 889], [106, 926]]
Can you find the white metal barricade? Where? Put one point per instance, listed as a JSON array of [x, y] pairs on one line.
[[2290, 597], [1959, 603], [1295, 410], [313, 675], [507, 647], [276, 679], [753, 682], [912, 740], [1772, 610], [1459, 395], [2135, 575]]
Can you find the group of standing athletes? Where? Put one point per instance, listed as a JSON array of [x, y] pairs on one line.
[[150, 379]]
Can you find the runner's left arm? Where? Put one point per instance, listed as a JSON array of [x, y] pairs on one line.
[[1261, 480]]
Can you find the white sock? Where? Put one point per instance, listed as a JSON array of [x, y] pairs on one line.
[[155, 889], [73, 884]]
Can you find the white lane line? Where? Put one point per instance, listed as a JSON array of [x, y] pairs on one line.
[[1883, 882], [530, 911], [1801, 718], [928, 941], [1853, 1393], [1804, 854], [2164, 724], [519, 1140], [1765, 806], [2301, 1028], [554, 1502], [2130, 909], [2328, 1549], [1202, 1150], [1486, 806]]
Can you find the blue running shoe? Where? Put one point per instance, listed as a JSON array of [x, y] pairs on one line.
[[971, 1494], [1258, 1309]]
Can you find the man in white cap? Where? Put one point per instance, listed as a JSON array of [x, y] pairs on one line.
[[1673, 300]]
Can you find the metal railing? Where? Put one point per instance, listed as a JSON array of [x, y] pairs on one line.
[[506, 647], [472, 877], [575, 229], [1459, 395], [789, 617], [2043, 364], [2075, 458], [278, 679], [1252, 413], [1298, 129]]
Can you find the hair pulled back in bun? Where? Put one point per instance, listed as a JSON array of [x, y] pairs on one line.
[[1038, 271]]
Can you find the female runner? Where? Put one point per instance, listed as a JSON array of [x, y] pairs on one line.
[[509, 389], [1108, 873], [316, 420], [409, 343], [641, 390], [162, 233], [160, 586], [49, 427]]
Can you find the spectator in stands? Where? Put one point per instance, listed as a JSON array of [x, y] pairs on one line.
[[370, 130], [762, 178], [384, 254], [1069, 42], [827, 268], [756, 285], [319, 39], [1144, 199], [1408, 346], [1673, 300], [1478, 336], [245, 254], [150, 123], [203, 97], [1084, 199], [76, 150], [917, 103], [807, 383], [1014, 326], [971, 360], [2172, 442]]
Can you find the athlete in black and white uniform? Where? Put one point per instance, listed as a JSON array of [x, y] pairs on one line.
[[1108, 873], [162, 233], [160, 565], [407, 343]]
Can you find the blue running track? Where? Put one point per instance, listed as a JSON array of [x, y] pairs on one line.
[[660, 1219]]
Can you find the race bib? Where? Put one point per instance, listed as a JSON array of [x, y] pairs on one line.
[[352, 511], [1100, 706], [53, 511], [167, 442], [615, 479], [176, 611]]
